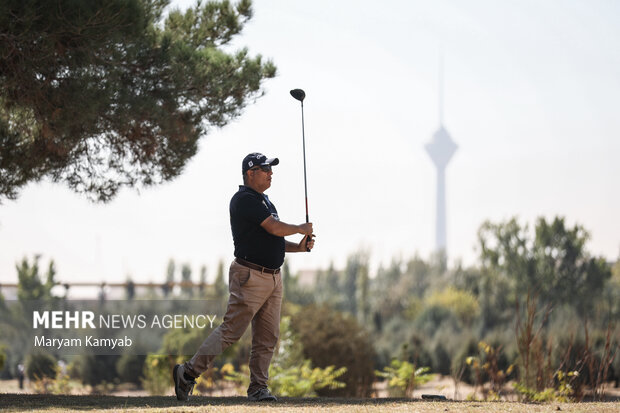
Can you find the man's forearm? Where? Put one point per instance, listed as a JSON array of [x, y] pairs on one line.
[[291, 246], [282, 229], [279, 228]]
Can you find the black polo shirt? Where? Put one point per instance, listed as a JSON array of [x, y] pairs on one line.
[[248, 209]]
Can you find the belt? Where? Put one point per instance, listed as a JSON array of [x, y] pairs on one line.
[[256, 266]]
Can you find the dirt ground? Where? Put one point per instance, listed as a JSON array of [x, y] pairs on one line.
[[153, 404], [441, 385]]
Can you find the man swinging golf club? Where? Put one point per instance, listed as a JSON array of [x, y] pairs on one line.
[[254, 281]]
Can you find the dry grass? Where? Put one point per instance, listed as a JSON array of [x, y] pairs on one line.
[[51, 403]]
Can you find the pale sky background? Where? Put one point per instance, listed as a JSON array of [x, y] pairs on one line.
[[531, 97]]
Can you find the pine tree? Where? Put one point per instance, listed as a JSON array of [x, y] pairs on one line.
[[203, 280], [104, 94], [30, 286], [221, 289], [186, 277], [167, 287]]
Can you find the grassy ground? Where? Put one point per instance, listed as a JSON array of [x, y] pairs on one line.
[[50, 403]]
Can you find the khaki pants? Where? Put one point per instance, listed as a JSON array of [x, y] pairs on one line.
[[254, 297]]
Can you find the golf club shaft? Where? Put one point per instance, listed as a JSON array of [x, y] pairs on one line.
[[303, 137]]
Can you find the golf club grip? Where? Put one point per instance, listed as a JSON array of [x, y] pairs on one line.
[[307, 221]]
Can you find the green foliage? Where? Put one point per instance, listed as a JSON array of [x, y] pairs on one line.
[[295, 381], [293, 291], [98, 369], [489, 366], [129, 368], [157, 374], [434, 317], [130, 289], [304, 381], [213, 380], [403, 377], [460, 367], [354, 273], [30, 286], [2, 357], [202, 281], [60, 383], [186, 277], [221, 287], [154, 84], [330, 338], [40, 365], [535, 369], [291, 375], [442, 359], [167, 287], [562, 392], [554, 262], [462, 304], [183, 341]]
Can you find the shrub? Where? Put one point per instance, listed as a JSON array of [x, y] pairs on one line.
[[157, 374], [434, 317], [459, 363], [462, 304], [129, 368], [40, 365], [305, 381], [441, 359], [330, 338], [415, 350], [289, 374], [61, 384], [403, 377], [98, 369], [294, 381], [2, 358], [212, 381]]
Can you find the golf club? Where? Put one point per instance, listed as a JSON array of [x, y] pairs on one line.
[[300, 95]]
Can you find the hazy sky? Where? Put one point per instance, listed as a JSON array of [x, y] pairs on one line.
[[531, 97]]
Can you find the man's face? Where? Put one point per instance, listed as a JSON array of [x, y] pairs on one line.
[[260, 177]]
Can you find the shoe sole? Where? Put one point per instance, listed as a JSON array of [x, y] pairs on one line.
[[264, 399]]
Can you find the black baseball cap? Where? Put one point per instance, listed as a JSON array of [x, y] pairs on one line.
[[256, 159]]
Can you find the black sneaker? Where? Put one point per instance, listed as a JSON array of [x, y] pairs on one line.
[[182, 387], [262, 395]]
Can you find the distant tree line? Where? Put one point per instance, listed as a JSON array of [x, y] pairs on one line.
[[413, 311]]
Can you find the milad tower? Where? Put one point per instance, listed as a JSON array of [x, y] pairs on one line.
[[441, 149]]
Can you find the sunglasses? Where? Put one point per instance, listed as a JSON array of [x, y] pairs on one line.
[[264, 168]]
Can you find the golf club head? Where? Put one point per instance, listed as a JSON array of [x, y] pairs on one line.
[[298, 94]]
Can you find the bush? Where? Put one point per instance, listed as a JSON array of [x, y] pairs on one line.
[[40, 365], [129, 368], [294, 381], [2, 358], [98, 369], [435, 317], [183, 341], [415, 350], [462, 304], [289, 374], [330, 338], [158, 374], [403, 377], [460, 368], [441, 360]]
